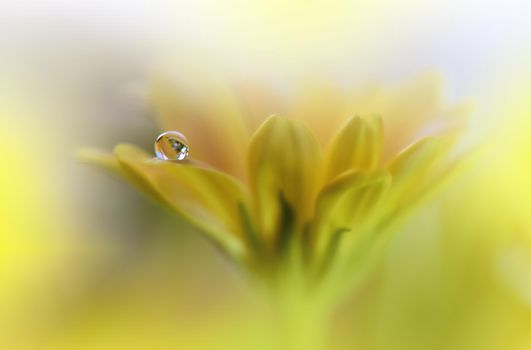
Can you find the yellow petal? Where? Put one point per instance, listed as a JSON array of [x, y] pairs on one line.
[[109, 162], [356, 146], [284, 163], [210, 200], [99, 157], [204, 108], [346, 203], [417, 171], [406, 109], [322, 106], [412, 163]]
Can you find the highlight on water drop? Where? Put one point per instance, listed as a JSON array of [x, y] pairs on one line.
[[171, 145]]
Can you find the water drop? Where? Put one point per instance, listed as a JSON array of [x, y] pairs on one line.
[[171, 145]]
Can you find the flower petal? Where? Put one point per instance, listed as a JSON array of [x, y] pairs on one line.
[[210, 200], [109, 162], [203, 107], [412, 164], [346, 204], [99, 157], [322, 106], [284, 163], [417, 171], [356, 146], [406, 108]]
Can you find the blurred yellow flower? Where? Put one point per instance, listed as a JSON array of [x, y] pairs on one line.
[[277, 201]]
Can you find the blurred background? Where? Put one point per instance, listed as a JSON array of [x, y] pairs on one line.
[[88, 263]]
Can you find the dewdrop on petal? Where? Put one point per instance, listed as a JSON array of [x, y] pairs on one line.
[[171, 145]]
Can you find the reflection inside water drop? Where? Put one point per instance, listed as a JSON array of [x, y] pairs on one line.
[[171, 145]]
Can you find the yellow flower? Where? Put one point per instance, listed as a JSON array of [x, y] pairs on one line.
[[281, 197]]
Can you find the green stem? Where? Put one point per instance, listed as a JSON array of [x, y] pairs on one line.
[[301, 330], [301, 323]]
